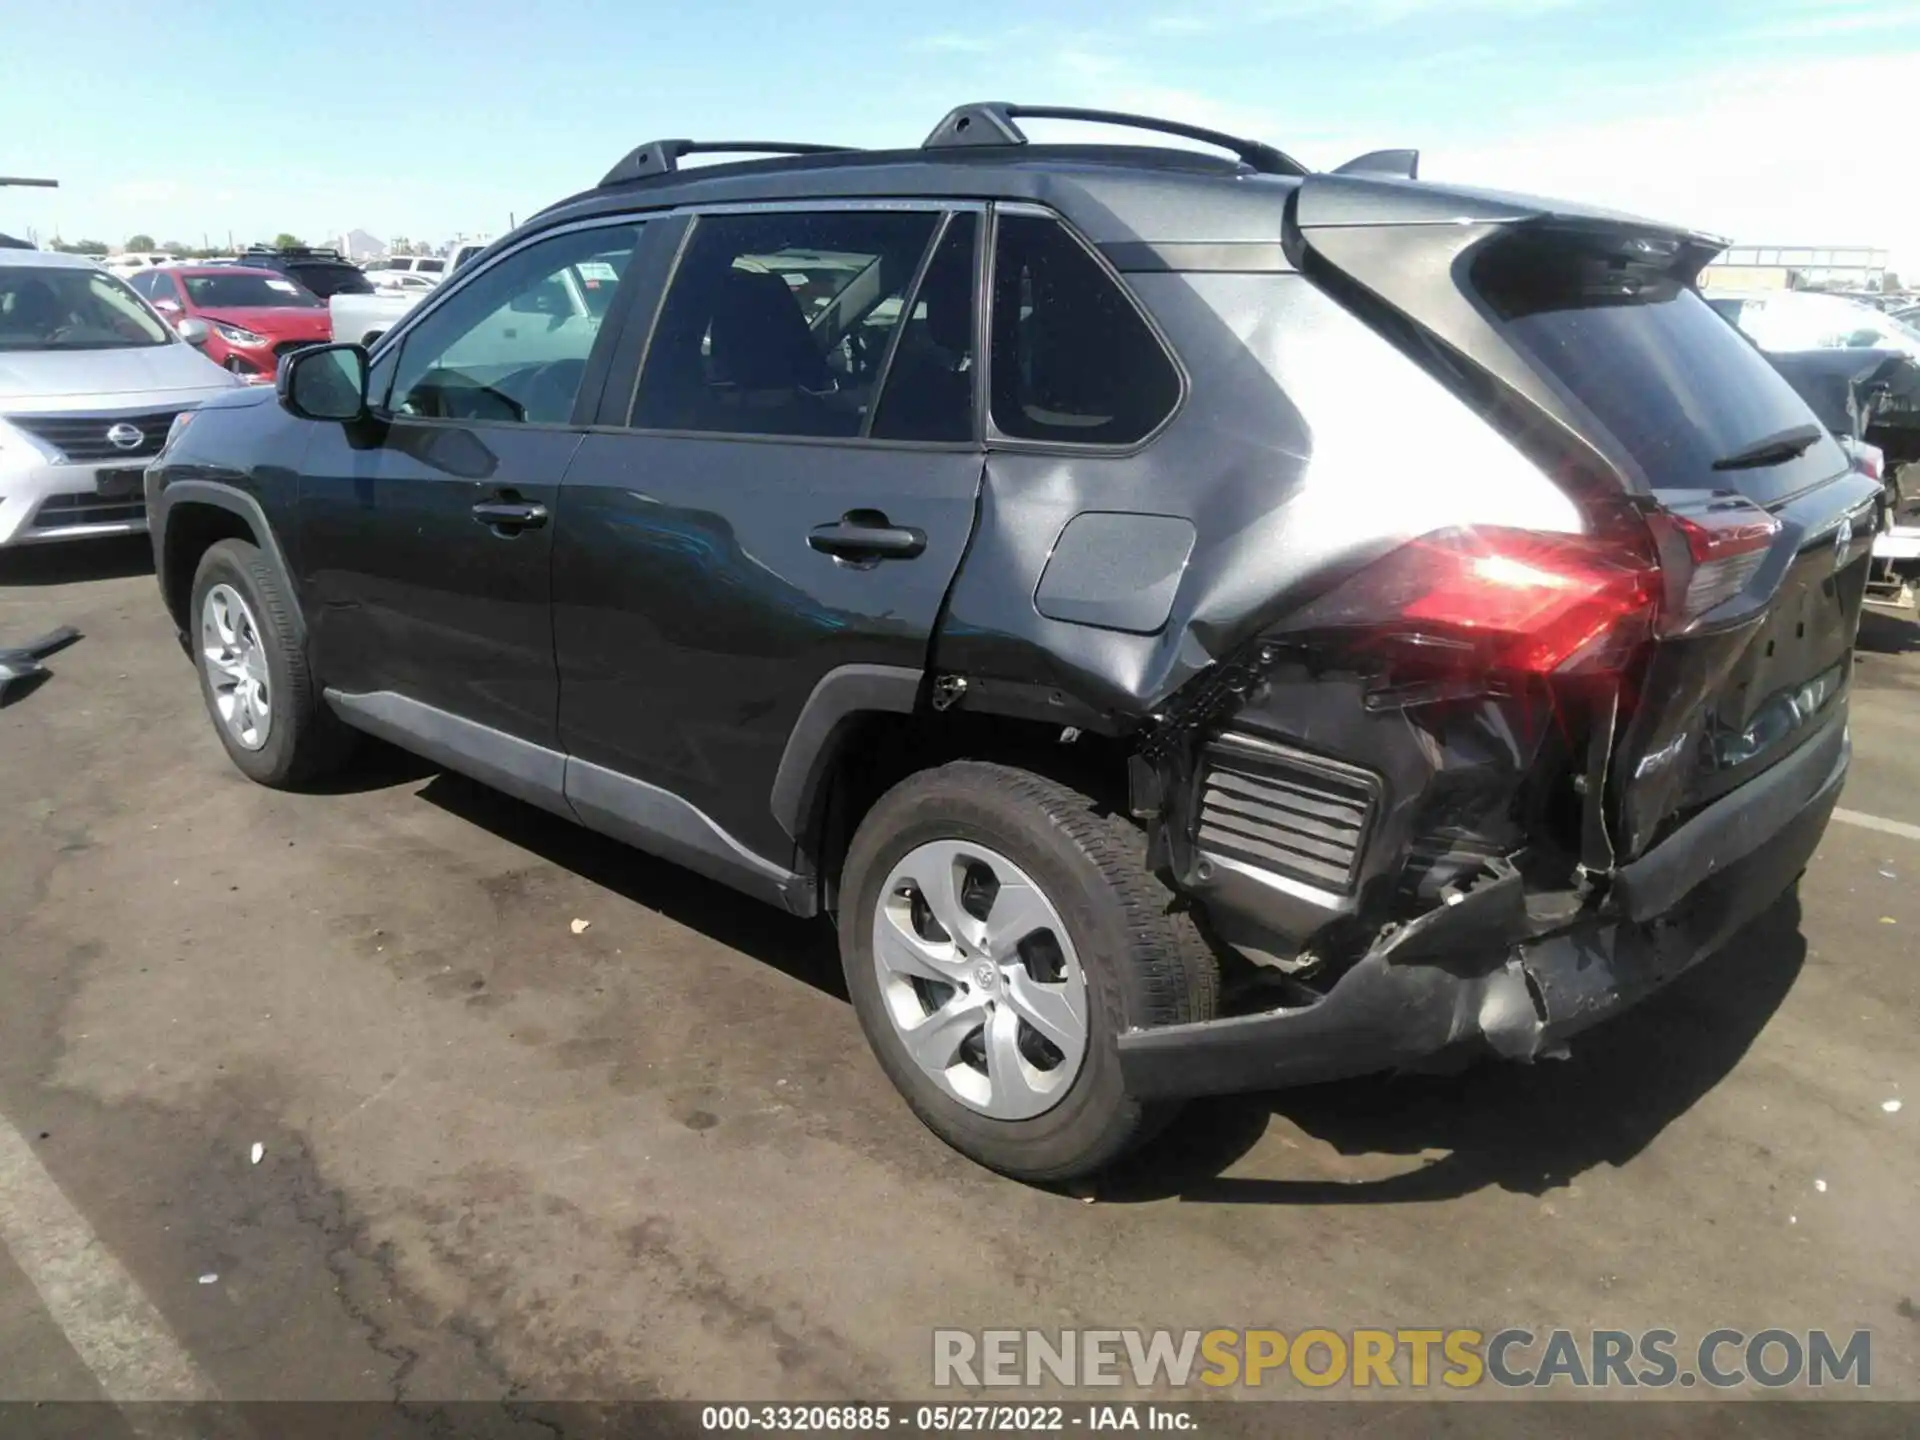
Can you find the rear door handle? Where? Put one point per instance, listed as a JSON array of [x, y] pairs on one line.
[[867, 535], [510, 514]]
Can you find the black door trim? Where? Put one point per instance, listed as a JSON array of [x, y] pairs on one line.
[[839, 696], [618, 806]]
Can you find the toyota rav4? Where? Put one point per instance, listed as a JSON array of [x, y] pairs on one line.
[[1194, 624]]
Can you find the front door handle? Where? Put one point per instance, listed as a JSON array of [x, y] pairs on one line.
[[510, 514], [867, 535]]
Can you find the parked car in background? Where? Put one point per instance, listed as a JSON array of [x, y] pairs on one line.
[[253, 316], [1870, 400], [90, 381], [997, 547], [431, 268], [363, 318], [134, 261], [1785, 320], [324, 272], [404, 281]]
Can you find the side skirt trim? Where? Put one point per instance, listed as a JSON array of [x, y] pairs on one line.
[[618, 806]]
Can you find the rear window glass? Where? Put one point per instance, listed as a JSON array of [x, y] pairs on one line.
[[1072, 359], [331, 278], [1672, 386]]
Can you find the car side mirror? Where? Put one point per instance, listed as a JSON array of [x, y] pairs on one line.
[[324, 382], [194, 330]]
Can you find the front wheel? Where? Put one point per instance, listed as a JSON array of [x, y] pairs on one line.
[[999, 932], [262, 698]]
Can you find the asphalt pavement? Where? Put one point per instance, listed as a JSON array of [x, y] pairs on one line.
[[500, 1159]]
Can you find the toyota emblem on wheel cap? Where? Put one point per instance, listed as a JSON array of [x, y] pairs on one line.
[[126, 437]]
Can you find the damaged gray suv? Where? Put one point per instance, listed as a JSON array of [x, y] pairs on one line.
[[1192, 623]]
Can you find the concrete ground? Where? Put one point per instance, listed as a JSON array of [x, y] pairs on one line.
[[502, 1159]]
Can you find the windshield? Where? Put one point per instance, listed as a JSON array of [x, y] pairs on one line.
[[250, 292], [332, 278], [72, 309]]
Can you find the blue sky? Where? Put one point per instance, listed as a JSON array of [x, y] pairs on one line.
[[426, 117]]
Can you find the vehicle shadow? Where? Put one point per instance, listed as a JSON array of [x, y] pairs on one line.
[[72, 562], [802, 949], [1882, 633], [1525, 1129]]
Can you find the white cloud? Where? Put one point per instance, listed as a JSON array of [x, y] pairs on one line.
[[1354, 14], [1758, 154], [1835, 17], [957, 44]]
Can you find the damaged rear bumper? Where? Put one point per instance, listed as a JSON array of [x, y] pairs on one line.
[[1390, 1013]]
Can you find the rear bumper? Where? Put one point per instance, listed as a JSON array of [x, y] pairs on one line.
[[1687, 897]]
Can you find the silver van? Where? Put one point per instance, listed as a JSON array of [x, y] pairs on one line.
[[90, 381]]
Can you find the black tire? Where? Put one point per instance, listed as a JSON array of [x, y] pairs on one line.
[[1145, 960], [305, 740]]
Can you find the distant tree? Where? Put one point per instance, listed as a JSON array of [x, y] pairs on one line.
[[285, 241], [89, 247], [1890, 283], [140, 242], [173, 247]]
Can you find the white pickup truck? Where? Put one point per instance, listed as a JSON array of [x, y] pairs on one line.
[[363, 319]]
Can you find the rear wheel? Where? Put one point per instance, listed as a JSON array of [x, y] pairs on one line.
[[259, 692], [999, 933]]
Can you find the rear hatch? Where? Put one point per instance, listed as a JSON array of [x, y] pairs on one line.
[[1581, 334]]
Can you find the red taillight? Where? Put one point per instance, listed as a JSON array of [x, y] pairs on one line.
[[1724, 542], [1486, 600], [1497, 599]]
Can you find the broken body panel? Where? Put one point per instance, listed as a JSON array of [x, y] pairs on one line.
[[1427, 856]]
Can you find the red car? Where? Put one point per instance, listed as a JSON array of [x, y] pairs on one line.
[[254, 316]]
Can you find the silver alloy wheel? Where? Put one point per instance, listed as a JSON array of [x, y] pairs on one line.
[[980, 979], [236, 665]]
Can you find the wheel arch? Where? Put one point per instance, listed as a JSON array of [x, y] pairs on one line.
[[865, 728], [194, 515]]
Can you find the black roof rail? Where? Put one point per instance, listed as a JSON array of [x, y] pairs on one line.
[[316, 252], [1399, 164], [991, 122], [662, 157]]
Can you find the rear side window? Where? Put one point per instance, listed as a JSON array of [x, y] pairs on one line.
[[1671, 384], [1073, 360], [780, 323]]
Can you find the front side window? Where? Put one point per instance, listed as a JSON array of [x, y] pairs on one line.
[[72, 309], [1072, 358], [780, 324], [512, 345]]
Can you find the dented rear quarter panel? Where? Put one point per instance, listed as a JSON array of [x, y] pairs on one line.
[[1304, 447]]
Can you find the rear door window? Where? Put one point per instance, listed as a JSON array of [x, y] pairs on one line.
[[1673, 387], [780, 323], [929, 386], [1073, 359]]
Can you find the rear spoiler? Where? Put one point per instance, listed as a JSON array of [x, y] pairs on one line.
[[1400, 164]]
